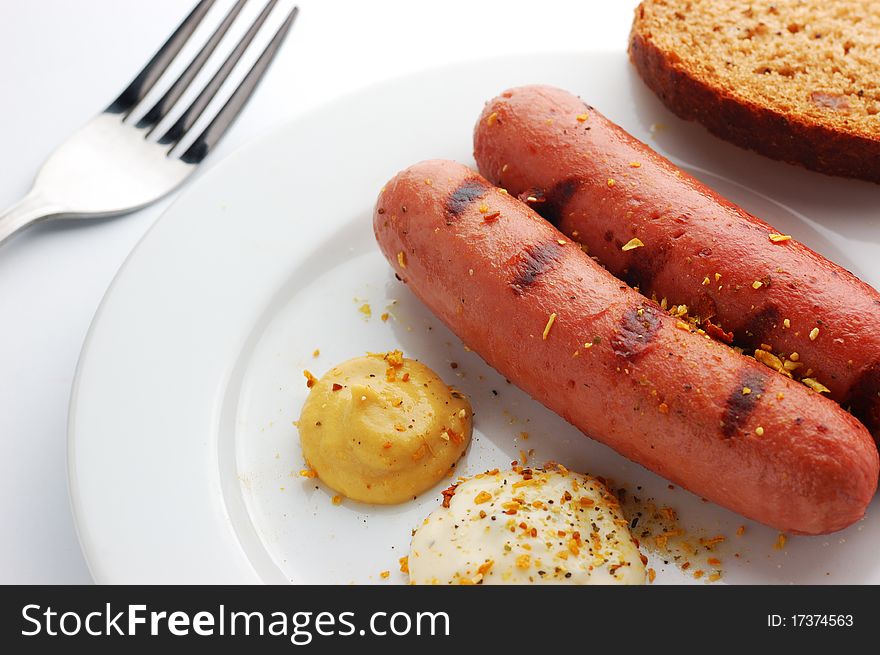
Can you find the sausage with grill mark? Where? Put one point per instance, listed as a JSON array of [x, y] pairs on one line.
[[603, 187], [612, 363]]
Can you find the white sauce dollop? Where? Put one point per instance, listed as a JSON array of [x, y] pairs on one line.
[[526, 526]]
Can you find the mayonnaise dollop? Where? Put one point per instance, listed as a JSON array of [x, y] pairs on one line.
[[526, 526]]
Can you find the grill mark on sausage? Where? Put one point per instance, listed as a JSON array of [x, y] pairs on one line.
[[636, 331], [557, 198], [645, 266], [534, 261], [739, 405], [864, 397], [761, 325], [466, 193], [551, 203]]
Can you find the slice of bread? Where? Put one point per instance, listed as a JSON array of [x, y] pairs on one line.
[[796, 80]]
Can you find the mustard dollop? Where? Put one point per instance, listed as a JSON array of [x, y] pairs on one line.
[[383, 428]]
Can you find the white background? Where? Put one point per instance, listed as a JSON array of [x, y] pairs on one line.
[[61, 61]]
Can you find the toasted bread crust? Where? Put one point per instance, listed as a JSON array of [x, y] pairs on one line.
[[769, 132]]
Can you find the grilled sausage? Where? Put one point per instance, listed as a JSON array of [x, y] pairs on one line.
[[612, 363], [740, 279]]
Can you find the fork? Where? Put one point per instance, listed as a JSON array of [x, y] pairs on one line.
[[110, 167]]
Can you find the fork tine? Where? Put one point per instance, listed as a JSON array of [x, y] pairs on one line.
[[172, 95], [230, 111], [145, 80], [192, 113]]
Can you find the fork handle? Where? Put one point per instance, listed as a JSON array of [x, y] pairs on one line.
[[30, 209]]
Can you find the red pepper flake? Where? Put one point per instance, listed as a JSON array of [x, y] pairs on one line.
[[455, 436], [336, 387], [311, 380], [421, 451], [448, 493], [717, 333]]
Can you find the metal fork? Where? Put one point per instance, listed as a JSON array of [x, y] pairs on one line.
[[109, 167]]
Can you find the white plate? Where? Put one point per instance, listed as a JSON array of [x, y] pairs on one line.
[[183, 457]]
